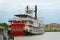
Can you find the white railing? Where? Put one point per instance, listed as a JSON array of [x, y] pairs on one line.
[[18, 19]]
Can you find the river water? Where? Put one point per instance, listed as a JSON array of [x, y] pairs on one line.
[[45, 36]]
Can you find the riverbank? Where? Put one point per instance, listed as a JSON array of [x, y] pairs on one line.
[[52, 30]]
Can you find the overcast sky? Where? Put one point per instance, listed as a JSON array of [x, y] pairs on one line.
[[47, 9]]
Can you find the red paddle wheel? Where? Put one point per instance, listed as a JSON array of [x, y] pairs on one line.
[[17, 30]]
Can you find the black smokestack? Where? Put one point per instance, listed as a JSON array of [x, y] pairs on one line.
[[36, 12], [27, 9]]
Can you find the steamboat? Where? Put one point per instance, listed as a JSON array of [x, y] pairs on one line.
[[25, 24]]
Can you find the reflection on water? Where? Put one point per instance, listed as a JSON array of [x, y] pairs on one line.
[[45, 36]]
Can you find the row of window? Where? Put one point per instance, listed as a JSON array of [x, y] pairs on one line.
[[24, 21]]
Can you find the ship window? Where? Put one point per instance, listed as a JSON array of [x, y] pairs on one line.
[[15, 21], [30, 26], [18, 21], [22, 21], [31, 22], [25, 21]]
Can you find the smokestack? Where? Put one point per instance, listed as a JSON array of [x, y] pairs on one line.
[[35, 12], [27, 9]]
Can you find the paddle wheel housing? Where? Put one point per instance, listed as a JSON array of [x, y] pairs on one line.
[[17, 30]]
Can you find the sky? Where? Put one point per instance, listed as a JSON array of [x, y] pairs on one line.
[[48, 10]]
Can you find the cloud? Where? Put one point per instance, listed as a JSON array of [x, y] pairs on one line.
[[47, 8], [20, 4]]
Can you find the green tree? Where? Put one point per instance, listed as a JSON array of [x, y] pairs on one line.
[[4, 25]]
